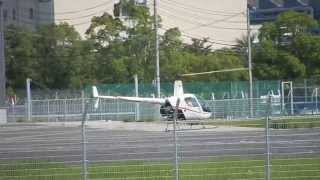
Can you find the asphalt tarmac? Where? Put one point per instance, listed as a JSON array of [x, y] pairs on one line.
[[63, 143]]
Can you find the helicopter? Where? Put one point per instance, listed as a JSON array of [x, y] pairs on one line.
[[190, 107]]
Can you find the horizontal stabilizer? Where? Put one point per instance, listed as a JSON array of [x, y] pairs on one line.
[[125, 98]]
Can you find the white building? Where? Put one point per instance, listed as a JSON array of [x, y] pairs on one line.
[[221, 21]]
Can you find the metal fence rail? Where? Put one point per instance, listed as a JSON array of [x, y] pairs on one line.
[[54, 110], [50, 110]]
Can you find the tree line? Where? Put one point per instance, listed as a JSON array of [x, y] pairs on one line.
[[55, 56]]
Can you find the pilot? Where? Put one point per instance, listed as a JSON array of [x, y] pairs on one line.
[[188, 102]]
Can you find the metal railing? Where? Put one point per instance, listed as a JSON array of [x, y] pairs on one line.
[[49, 110]]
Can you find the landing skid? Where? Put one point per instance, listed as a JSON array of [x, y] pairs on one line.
[[183, 125]]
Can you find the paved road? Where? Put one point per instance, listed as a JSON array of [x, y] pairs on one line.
[[63, 144]]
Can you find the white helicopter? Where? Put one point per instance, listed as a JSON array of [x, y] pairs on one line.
[[190, 107]]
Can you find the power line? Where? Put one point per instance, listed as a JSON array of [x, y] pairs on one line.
[[29, 33], [79, 55], [78, 10], [212, 42], [185, 34], [82, 17], [213, 22], [32, 22], [200, 24], [42, 13], [178, 17], [192, 37], [86, 9], [23, 16], [194, 14], [198, 9]]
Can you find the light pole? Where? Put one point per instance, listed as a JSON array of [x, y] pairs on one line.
[[157, 46], [2, 60], [250, 63]]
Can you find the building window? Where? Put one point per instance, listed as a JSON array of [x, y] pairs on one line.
[[141, 2], [14, 14], [31, 13], [122, 7], [5, 15]]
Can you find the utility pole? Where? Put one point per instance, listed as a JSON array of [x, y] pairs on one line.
[[2, 60], [250, 63], [157, 46]]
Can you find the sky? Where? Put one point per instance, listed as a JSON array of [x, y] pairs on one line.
[[222, 21]]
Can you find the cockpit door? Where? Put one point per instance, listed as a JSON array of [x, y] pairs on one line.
[[192, 109]]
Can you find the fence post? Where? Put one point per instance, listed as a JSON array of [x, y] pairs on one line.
[[84, 143], [317, 111], [305, 91], [267, 134], [291, 99], [65, 109], [83, 102], [136, 87], [175, 118], [29, 100], [14, 113], [118, 109], [213, 106], [48, 109]]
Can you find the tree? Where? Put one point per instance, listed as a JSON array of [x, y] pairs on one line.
[[295, 23], [287, 27], [20, 56], [307, 48], [124, 48], [287, 48], [172, 56], [272, 63], [59, 58], [199, 46]]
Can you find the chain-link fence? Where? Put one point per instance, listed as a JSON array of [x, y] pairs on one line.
[[54, 110], [265, 148], [226, 100], [62, 110]]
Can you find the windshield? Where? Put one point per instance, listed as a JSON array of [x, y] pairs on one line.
[[205, 106], [192, 102]]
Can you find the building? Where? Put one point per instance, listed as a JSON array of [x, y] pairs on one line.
[[221, 21], [27, 13], [268, 10]]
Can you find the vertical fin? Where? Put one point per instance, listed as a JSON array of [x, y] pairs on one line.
[[178, 88], [96, 96], [95, 92]]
